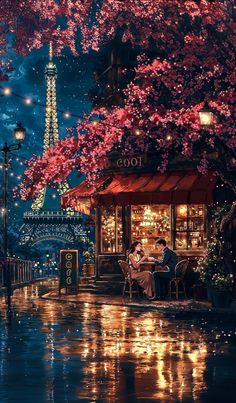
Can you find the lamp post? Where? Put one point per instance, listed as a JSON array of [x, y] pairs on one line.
[[19, 135]]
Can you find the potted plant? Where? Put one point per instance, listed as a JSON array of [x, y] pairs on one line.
[[221, 289], [213, 276], [208, 266]]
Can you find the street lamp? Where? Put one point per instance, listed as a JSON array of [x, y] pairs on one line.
[[19, 135], [207, 116], [48, 261]]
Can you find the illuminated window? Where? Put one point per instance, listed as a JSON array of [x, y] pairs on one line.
[[189, 226], [112, 230], [149, 223]]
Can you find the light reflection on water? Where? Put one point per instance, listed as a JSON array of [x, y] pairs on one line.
[[61, 352]]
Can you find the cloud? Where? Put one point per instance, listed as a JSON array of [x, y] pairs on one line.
[[3, 116]]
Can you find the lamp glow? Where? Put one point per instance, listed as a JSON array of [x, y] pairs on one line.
[[19, 132], [206, 116], [6, 91]]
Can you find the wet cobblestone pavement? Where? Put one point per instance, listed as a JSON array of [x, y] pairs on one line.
[[65, 352]]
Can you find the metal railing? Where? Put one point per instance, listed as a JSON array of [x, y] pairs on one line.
[[20, 270], [52, 214]]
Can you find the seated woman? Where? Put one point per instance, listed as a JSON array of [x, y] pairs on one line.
[[145, 278]]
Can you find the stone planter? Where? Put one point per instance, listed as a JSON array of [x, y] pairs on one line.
[[221, 298], [88, 269]]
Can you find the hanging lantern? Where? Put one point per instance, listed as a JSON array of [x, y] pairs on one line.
[[206, 116]]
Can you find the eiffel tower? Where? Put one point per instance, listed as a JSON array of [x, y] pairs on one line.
[[42, 223]]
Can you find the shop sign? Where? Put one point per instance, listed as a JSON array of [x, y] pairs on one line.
[[69, 270], [132, 162]]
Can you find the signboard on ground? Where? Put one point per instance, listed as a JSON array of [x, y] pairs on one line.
[[69, 271]]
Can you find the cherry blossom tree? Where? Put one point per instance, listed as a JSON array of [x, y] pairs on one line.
[[194, 46]]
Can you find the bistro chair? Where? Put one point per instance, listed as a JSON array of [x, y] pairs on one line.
[[130, 285], [177, 283]]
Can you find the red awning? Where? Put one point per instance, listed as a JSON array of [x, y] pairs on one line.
[[79, 198], [187, 187]]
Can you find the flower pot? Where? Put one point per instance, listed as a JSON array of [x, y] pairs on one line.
[[221, 298]]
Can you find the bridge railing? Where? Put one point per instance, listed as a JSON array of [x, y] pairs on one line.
[[21, 270]]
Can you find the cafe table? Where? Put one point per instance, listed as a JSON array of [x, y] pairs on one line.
[[150, 266]]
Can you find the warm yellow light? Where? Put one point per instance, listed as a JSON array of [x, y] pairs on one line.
[[168, 137], [19, 132], [137, 132], [6, 91], [206, 116], [66, 115], [94, 123], [28, 101], [183, 210]]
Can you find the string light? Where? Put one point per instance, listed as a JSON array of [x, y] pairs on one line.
[[137, 132], [6, 91], [66, 115], [28, 101]]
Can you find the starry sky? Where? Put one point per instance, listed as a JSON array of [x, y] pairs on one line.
[[75, 79]]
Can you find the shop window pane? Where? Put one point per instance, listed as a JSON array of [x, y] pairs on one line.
[[182, 217], [108, 229], [149, 223], [196, 221], [189, 226], [196, 240], [119, 230], [111, 230], [181, 240]]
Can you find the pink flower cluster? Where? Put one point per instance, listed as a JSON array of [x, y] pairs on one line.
[[195, 53]]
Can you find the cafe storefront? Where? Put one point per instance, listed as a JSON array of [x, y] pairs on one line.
[[133, 202]]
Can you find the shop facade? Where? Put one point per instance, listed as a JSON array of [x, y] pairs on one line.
[[133, 201]]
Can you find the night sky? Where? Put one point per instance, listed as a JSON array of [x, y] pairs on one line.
[[75, 79]]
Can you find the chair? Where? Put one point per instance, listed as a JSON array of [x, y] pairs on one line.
[[179, 279], [129, 283]]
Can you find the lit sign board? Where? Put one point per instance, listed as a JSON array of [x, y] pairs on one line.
[[69, 270]]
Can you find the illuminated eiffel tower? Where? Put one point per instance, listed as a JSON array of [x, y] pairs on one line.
[[41, 223]]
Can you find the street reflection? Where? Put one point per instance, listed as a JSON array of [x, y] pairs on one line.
[[105, 353]]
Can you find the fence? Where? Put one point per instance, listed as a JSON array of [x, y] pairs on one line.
[[21, 270]]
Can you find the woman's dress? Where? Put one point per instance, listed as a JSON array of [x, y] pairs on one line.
[[144, 278]]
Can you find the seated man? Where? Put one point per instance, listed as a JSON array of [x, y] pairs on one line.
[[169, 259]]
